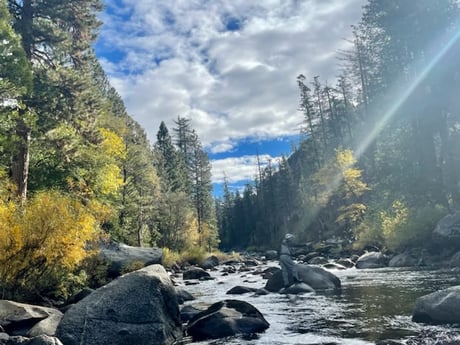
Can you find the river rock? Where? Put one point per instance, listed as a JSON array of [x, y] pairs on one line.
[[271, 254], [371, 260], [188, 312], [210, 262], [318, 260], [403, 260], [251, 262], [195, 273], [28, 320], [239, 290], [137, 308], [121, 256], [227, 318], [316, 277], [348, 263], [269, 271], [183, 295], [440, 307]]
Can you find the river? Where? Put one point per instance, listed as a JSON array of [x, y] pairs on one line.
[[372, 305]]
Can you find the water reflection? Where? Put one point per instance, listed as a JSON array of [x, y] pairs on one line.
[[373, 305]]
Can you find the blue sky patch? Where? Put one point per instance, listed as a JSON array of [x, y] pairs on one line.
[[250, 147], [232, 24]]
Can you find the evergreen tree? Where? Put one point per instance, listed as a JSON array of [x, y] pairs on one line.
[[15, 83], [56, 37], [171, 166], [199, 184]]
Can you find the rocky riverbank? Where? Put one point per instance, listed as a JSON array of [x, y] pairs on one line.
[[153, 306]]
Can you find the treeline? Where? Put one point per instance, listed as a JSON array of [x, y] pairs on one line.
[[74, 165], [380, 160]]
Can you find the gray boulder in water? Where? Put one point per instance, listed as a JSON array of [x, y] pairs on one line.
[[372, 260], [226, 318], [195, 273], [316, 277], [440, 307], [137, 308], [210, 262]]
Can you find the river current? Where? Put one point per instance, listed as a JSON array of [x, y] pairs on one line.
[[372, 305]]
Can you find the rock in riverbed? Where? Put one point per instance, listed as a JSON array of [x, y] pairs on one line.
[[226, 318]]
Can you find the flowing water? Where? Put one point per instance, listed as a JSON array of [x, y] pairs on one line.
[[372, 305]]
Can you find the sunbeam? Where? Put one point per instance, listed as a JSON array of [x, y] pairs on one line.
[[388, 114], [399, 101]]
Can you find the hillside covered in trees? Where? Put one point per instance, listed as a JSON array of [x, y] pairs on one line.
[[379, 163], [74, 166]]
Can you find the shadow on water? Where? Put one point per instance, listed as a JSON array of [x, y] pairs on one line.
[[372, 305]]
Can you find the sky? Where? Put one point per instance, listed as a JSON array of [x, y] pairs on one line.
[[230, 66]]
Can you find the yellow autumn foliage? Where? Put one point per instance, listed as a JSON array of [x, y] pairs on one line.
[[113, 149], [43, 242], [112, 144]]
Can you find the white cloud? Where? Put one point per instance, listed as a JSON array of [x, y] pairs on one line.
[[244, 168], [177, 58]]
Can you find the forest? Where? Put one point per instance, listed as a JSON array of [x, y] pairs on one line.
[[378, 163]]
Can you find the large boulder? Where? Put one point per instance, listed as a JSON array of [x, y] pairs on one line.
[[226, 318], [440, 307], [121, 256], [372, 260], [137, 308], [210, 262], [195, 273], [28, 320], [316, 277]]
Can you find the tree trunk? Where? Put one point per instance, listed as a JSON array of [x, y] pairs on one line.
[[21, 159]]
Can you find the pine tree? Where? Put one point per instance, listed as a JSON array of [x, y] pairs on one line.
[[171, 165], [55, 37], [15, 84]]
